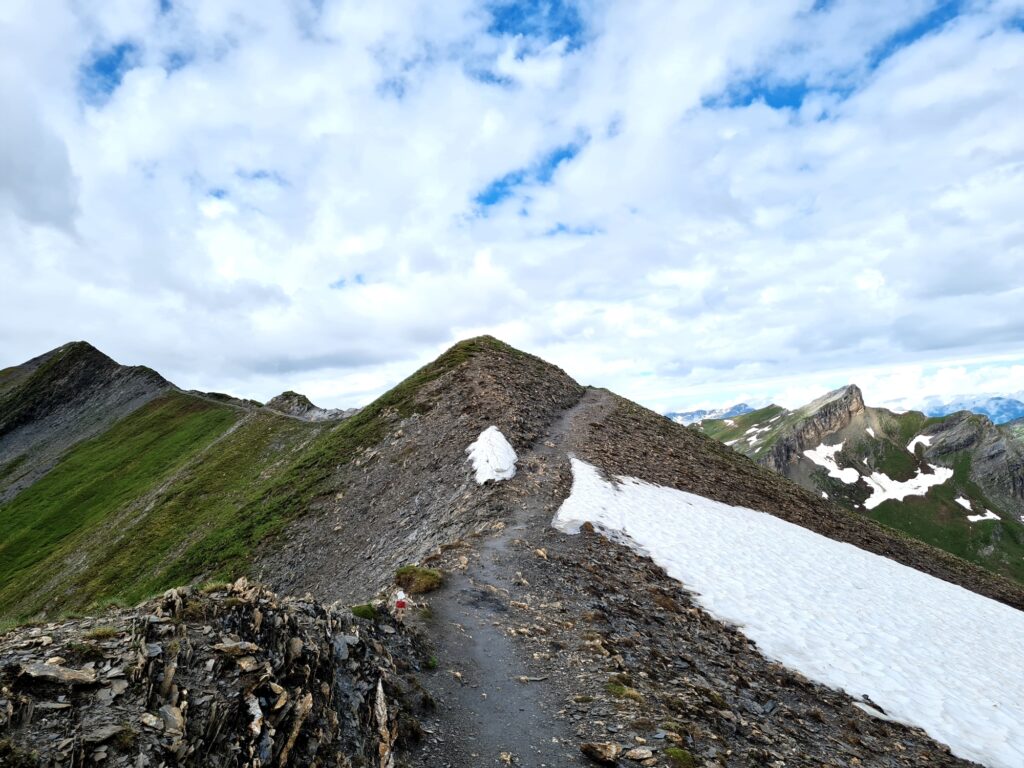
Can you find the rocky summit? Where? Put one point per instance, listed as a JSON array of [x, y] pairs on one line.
[[198, 580]]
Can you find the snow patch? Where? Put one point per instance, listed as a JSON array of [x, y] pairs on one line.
[[844, 617], [989, 515], [756, 430], [884, 487], [925, 440], [824, 456], [824, 495], [965, 503], [730, 423], [493, 456], [870, 431]]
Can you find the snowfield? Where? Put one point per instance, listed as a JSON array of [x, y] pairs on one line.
[[493, 456], [924, 440], [883, 487], [825, 456], [930, 653]]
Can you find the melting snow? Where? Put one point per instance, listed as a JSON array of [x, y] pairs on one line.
[[989, 515], [824, 456], [842, 616], [824, 495], [966, 504], [924, 440], [493, 456], [757, 430], [870, 431], [884, 487], [730, 423]]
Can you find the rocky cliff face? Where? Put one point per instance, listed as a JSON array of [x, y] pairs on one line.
[[823, 417], [997, 456], [59, 399], [234, 677]]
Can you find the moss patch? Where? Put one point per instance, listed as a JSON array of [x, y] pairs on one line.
[[365, 611], [680, 758], [416, 580]]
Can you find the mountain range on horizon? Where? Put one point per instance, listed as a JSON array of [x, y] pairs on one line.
[[1000, 409], [190, 577]]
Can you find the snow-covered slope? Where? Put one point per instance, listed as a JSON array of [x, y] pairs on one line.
[[929, 653]]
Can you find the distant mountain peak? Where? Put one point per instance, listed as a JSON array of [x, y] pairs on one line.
[[301, 407], [695, 417]]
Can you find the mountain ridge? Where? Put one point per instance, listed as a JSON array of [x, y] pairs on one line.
[[566, 635]]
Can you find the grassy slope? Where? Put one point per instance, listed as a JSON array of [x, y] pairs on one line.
[[95, 478], [771, 421], [149, 510]]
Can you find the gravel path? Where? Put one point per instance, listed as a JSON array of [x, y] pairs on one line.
[[496, 704]]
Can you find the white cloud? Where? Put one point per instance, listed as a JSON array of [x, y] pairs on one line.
[[256, 154]]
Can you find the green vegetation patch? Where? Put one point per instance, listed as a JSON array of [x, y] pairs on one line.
[[93, 480], [937, 519], [365, 611], [416, 580], [679, 757]]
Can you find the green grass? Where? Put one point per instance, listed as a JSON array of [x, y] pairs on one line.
[[364, 611], [416, 580], [936, 519], [148, 510], [94, 479], [679, 757], [623, 691]]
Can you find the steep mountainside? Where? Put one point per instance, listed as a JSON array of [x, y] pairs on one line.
[[532, 647], [61, 398], [956, 481]]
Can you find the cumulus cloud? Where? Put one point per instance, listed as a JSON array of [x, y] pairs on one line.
[[682, 201]]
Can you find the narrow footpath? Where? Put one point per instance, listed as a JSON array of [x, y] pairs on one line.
[[495, 705]]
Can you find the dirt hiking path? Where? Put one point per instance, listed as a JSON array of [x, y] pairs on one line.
[[495, 705]]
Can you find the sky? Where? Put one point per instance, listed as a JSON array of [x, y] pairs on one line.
[[690, 203]]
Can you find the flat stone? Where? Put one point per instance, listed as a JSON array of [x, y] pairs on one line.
[[236, 648], [603, 752], [101, 734], [639, 753], [58, 674]]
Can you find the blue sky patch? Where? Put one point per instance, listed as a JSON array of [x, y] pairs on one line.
[[934, 20], [580, 231], [104, 72], [261, 174], [540, 172], [489, 77], [499, 189], [342, 282], [549, 20]]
